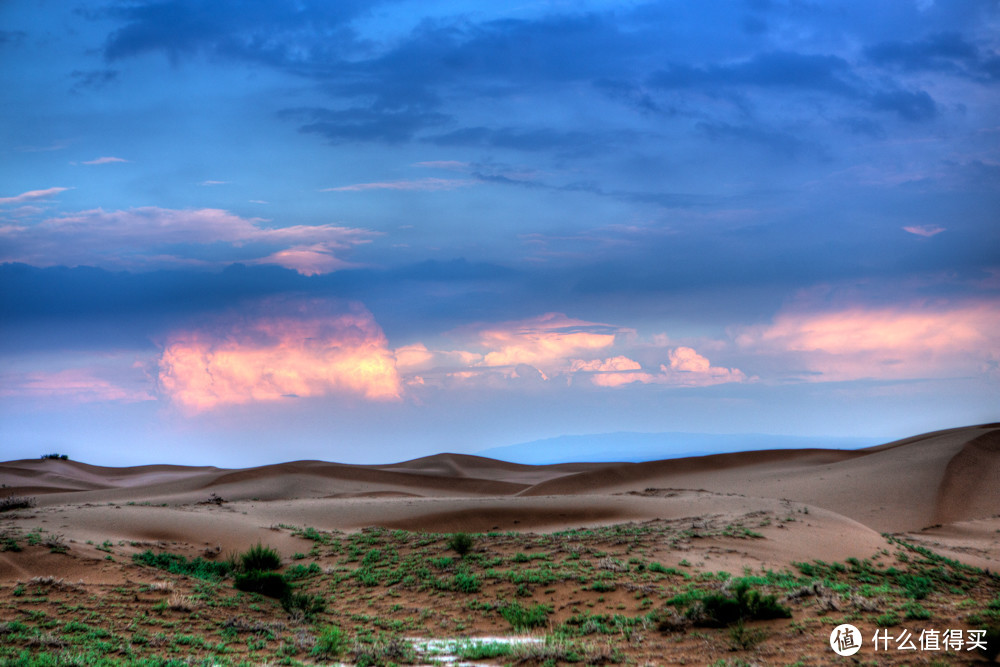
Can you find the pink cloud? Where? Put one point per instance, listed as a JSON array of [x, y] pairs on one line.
[[32, 195], [926, 231], [421, 184], [105, 160], [546, 341], [413, 357], [130, 238], [884, 343], [690, 369], [80, 385], [612, 372], [285, 349]]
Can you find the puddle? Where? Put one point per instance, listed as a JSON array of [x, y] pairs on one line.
[[445, 651]]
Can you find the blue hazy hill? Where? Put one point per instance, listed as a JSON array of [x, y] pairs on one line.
[[634, 447]]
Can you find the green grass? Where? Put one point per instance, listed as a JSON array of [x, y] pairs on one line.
[[178, 564], [525, 618]]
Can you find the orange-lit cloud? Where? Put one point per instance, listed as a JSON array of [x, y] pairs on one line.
[[884, 343], [300, 349]]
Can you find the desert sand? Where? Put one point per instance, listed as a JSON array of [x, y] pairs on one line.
[[940, 490]]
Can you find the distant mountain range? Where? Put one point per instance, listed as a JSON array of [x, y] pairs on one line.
[[634, 447]]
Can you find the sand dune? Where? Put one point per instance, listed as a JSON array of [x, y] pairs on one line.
[[941, 488]]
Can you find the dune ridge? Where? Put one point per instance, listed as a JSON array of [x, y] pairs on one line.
[[941, 487]]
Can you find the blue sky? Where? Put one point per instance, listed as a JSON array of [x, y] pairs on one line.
[[240, 232]]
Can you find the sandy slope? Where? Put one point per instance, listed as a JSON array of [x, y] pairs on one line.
[[806, 503]]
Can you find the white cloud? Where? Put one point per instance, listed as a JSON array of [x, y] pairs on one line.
[[32, 195], [105, 160], [422, 184], [926, 231]]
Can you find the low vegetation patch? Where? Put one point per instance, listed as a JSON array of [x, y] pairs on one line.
[[606, 595]]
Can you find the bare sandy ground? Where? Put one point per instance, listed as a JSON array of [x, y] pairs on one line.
[[939, 489]]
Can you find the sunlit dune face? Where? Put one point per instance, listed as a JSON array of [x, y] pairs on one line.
[[885, 343], [271, 357]]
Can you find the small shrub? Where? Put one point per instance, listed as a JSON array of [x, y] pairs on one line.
[[465, 582], [16, 503], [887, 620], [303, 605], [916, 587], [742, 638], [391, 651], [745, 604], [330, 643], [178, 564], [482, 650], [460, 543], [62, 457], [270, 584], [525, 618], [259, 558], [915, 612]]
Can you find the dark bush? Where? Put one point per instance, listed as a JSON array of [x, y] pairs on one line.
[[460, 543], [303, 604], [259, 558], [745, 604], [61, 457], [270, 584], [16, 503]]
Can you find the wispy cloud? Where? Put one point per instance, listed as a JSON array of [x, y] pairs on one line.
[[447, 165], [138, 238], [32, 195], [211, 183], [926, 231], [422, 184], [105, 160], [79, 385], [281, 349]]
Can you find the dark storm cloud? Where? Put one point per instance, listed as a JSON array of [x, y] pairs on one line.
[[93, 79], [366, 124], [560, 142], [909, 105], [12, 37], [290, 35], [770, 70], [779, 142], [945, 52]]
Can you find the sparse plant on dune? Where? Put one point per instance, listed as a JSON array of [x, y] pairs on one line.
[[460, 543], [16, 503], [260, 559]]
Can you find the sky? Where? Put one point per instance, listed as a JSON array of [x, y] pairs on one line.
[[242, 232]]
